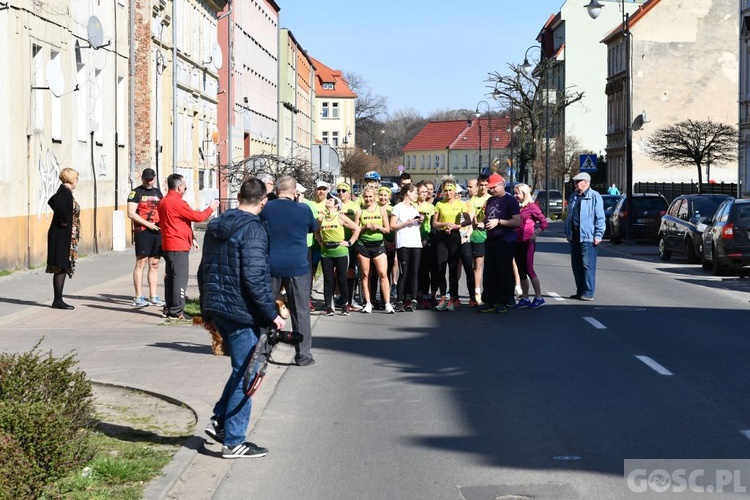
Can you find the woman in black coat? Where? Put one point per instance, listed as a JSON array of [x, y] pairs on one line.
[[62, 237]]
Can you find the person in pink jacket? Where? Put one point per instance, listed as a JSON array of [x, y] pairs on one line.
[[533, 222]]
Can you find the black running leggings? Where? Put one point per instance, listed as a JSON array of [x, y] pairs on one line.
[[408, 272], [334, 268]]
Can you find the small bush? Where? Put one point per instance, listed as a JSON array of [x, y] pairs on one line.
[[46, 411], [17, 478]]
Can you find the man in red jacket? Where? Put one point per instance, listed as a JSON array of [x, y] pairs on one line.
[[175, 221]]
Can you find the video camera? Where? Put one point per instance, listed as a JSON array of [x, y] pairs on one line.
[[275, 336], [252, 381]]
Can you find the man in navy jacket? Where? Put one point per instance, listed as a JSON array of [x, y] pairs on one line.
[[235, 293], [289, 223]]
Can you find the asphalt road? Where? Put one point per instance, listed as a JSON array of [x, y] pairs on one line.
[[460, 405]]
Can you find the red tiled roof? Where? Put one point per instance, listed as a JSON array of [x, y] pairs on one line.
[[456, 134], [324, 74]]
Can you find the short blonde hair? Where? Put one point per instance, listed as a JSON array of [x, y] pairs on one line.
[[526, 192], [68, 175]]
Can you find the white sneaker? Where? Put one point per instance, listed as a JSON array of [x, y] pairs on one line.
[[518, 291], [367, 309], [389, 308]]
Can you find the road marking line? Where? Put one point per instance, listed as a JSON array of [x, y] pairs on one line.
[[654, 365], [745, 432], [595, 323], [555, 296]]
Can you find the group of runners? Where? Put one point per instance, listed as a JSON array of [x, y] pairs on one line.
[[408, 252]]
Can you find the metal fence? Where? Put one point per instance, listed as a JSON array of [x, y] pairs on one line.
[[671, 190]]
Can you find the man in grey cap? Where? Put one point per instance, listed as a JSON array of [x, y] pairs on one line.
[[584, 228], [142, 203]]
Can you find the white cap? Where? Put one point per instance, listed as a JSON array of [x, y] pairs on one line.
[[301, 188], [322, 184]]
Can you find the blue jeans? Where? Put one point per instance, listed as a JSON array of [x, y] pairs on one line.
[[583, 262], [233, 408]]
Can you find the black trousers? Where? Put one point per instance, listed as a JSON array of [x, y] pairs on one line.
[[408, 272], [448, 255], [498, 272], [175, 281], [334, 270]]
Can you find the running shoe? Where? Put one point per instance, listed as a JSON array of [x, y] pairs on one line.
[[353, 307], [156, 301], [473, 303], [244, 450], [538, 302], [140, 302], [456, 301], [399, 307], [412, 306], [523, 303], [501, 309], [426, 304], [486, 308], [215, 430], [441, 306], [329, 311], [368, 308], [451, 305], [345, 311], [389, 308]]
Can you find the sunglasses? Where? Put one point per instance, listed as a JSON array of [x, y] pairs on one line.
[[342, 191]]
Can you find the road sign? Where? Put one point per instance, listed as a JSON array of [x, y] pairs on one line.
[[587, 163], [400, 168], [485, 171]]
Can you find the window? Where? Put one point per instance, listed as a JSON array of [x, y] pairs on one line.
[[335, 139], [328, 86], [408, 162], [38, 95], [429, 161], [325, 137], [466, 161], [56, 106], [324, 113], [335, 110], [422, 162]]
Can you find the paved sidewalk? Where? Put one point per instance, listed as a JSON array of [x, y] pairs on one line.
[[118, 344]]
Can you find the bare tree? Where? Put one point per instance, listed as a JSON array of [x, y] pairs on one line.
[[693, 142], [369, 107], [278, 166], [526, 96], [356, 163]]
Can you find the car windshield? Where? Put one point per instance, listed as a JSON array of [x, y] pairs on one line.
[[553, 195], [648, 203]]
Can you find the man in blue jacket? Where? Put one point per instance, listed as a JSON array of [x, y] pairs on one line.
[[289, 223], [234, 279], [584, 228]]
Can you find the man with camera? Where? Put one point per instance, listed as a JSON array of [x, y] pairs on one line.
[[234, 280]]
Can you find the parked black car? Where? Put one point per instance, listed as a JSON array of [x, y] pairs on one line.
[[648, 208], [726, 239], [610, 202], [680, 229], [556, 202]]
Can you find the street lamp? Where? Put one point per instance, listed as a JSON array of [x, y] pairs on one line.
[[489, 130], [469, 121], [594, 8], [527, 67]]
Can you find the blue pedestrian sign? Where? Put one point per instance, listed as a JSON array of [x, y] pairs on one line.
[[588, 163], [486, 171]]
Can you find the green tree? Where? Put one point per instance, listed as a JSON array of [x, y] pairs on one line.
[[693, 143]]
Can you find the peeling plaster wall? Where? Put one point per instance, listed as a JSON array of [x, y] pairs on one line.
[[685, 65]]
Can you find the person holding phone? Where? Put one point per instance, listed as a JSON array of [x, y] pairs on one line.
[[334, 250], [406, 221]]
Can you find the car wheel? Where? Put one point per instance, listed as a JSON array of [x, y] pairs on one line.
[[664, 254], [719, 268], [692, 258]]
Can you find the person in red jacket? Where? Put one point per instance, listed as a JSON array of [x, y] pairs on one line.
[[175, 222]]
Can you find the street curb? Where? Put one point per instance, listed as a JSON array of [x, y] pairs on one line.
[[159, 487]]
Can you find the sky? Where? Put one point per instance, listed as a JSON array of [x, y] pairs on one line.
[[425, 55]]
